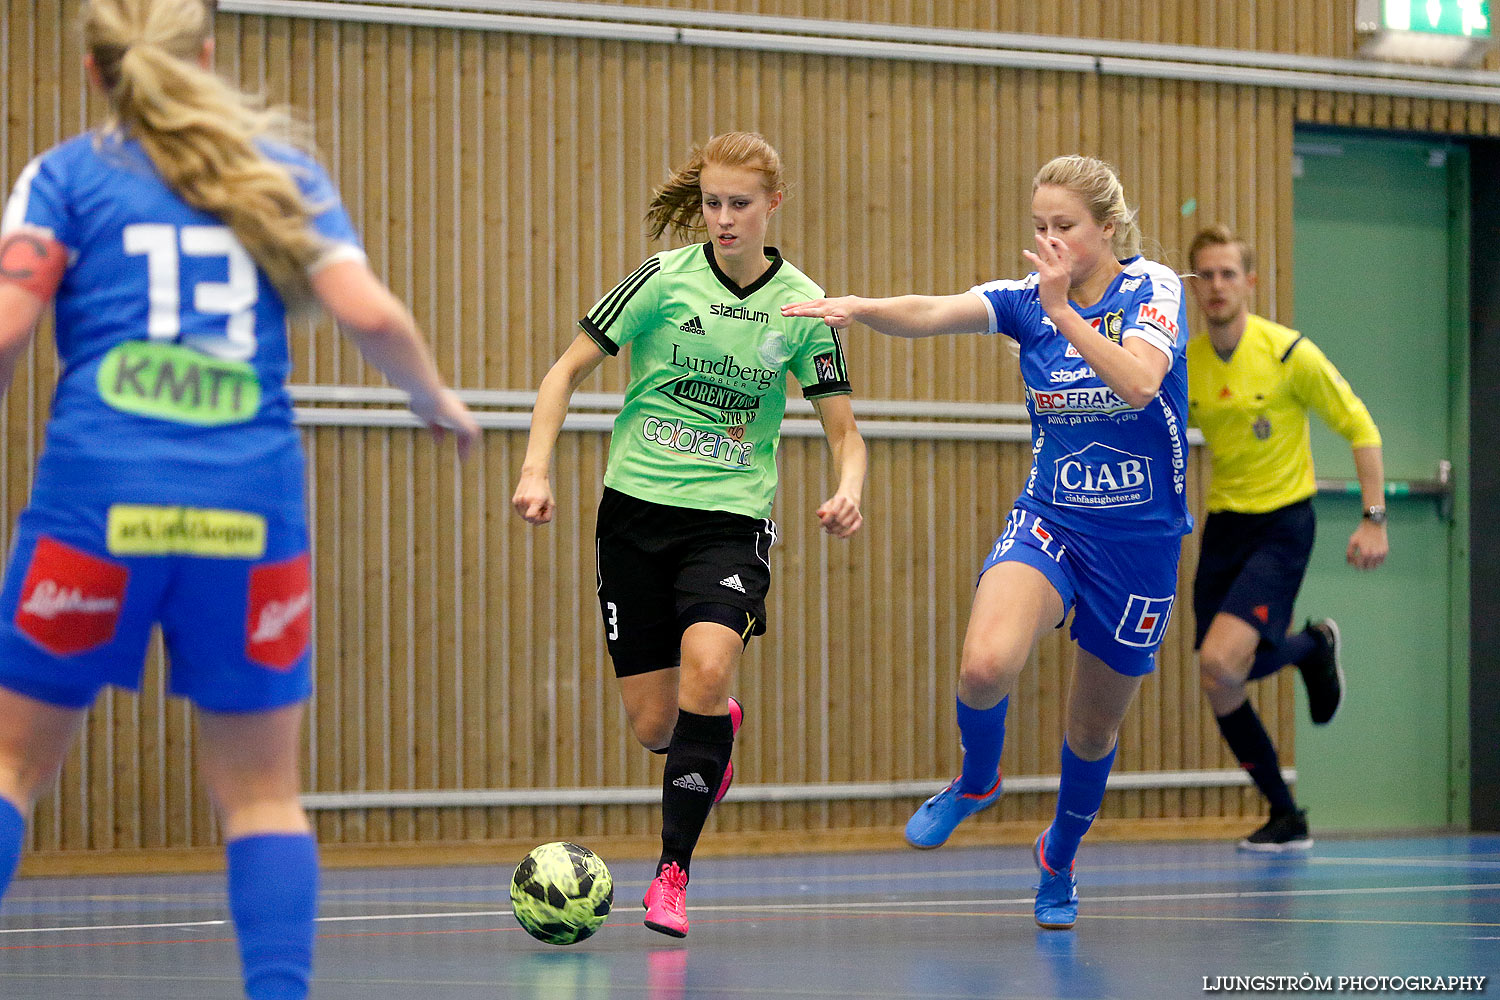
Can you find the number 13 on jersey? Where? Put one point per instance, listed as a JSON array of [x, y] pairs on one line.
[[164, 246]]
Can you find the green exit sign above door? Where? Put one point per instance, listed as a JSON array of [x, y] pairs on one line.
[[1469, 18], [1433, 31]]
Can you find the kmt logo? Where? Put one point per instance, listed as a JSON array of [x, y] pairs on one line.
[[1144, 623], [70, 600], [278, 621]]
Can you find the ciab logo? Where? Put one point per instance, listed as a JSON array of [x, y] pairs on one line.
[[1100, 476]]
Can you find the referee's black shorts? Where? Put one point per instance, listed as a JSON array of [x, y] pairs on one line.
[[1251, 566], [663, 568]]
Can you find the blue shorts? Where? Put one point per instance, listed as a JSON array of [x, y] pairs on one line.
[[87, 581], [1121, 592]]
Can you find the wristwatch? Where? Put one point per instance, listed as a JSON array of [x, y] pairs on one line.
[[1375, 514]]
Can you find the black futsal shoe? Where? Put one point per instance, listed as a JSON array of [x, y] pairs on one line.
[[1282, 834], [1321, 671]]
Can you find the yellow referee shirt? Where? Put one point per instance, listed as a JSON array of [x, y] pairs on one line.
[[1252, 410]]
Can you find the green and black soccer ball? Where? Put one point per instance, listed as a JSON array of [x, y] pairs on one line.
[[561, 893]]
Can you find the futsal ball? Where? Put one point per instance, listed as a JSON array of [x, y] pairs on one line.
[[561, 893]]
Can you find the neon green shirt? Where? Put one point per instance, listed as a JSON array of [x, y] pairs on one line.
[[1253, 413], [708, 365]]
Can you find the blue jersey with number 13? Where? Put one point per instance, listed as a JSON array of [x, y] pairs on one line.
[[173, 343]]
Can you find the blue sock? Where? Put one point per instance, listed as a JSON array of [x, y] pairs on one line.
[[983, 735], [273, 897], [1292, 649], [1078, 800], [12, 833]]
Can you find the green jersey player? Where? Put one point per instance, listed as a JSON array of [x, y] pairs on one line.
[[684, 537]]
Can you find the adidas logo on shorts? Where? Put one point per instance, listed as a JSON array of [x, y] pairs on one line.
[[692, 782], [694, 325], [733, 583]]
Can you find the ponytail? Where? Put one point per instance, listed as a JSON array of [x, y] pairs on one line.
[[201, 133], [678, 204]]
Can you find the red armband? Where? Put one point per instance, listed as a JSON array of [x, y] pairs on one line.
[[33, 259]]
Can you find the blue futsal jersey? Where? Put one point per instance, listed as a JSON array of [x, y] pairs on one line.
[[1100, 466], [173, 343]]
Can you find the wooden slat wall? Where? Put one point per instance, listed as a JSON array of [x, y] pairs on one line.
[[499, 182]]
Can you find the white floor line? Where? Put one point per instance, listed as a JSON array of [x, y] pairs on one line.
[[815, 906]]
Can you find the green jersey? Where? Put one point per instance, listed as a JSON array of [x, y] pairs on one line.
[[708, 365]]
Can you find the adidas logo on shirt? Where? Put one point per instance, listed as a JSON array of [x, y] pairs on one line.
[[733, 583], [692, 782], [694, 325]]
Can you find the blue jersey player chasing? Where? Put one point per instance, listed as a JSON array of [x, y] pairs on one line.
[[1098, 528], [170, 488]]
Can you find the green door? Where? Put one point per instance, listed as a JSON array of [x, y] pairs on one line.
[[1381, 271]]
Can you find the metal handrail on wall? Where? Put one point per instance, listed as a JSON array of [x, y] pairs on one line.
[[901, 43], [812, 792]]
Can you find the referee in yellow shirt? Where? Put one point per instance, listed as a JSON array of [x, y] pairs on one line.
[[1251, 384]]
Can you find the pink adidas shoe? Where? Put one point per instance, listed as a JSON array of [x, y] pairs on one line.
[[736, 716], [666, 902]]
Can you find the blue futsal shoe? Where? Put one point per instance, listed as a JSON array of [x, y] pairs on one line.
[[1056, 893], [934, 820]]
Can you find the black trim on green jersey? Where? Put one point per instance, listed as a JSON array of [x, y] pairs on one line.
[[603, 315], [1288, 352], [600, 339], [827, 389], [772, 254]]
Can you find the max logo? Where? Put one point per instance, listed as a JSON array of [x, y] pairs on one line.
[[1149, 314]]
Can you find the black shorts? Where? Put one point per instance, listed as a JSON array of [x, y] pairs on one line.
[[1251, 566], [662, 568]]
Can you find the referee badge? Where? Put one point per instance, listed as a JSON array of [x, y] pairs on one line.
[[1262, 428]]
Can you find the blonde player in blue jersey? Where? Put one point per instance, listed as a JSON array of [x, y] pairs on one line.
[[1098, 528], [171, 241]]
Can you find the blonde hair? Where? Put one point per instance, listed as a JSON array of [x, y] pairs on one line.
[[201, 132], [678, 204], [1220, 235], [1097, 185]]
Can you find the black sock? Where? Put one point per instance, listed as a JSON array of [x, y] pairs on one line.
[[1269, 659], [696, 760], [1246, 736]]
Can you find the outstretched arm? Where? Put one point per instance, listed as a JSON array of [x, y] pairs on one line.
[[533, 496], [902, 316], [840, 513]]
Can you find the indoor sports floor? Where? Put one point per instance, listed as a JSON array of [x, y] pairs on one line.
[[953, 923]]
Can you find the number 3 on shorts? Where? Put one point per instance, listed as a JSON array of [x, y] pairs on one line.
[[613, 621]]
